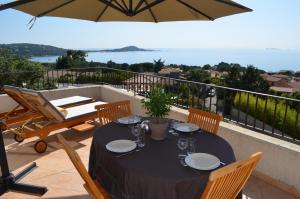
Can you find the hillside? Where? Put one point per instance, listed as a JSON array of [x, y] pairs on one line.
[[32, 50]]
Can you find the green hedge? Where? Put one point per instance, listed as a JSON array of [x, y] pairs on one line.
[[289, 126]]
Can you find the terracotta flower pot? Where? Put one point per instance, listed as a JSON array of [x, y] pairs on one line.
[[158, 128]]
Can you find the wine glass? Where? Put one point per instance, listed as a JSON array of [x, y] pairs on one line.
[[172, 126], [191, 146], [182, 144], [135, 131]]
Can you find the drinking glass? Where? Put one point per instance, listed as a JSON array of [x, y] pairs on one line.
[[172, 126], [191, 146], [135, 131], [141, 138], [182, 144], [130, 120]]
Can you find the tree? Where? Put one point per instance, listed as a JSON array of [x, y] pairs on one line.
[[78, 55], [158, 64], [207, 67], [252, 81], [198, 75], [18, 71], [63, 62], [232, 79], [221, 67], [72, 59]]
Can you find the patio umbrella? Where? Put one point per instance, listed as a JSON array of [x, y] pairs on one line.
[[129, 10]]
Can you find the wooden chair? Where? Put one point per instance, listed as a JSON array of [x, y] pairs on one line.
[[205, 120], [93, 187], [112, 111], [227, 182]]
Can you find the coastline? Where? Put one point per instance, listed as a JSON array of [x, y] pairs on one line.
[[268, 60]]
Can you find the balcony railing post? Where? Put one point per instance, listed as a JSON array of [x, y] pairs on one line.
[[284, 119], [264, 114]]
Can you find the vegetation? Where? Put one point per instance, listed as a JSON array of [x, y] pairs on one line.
[[158, 102], [20, 72], [31, 50], [72, 59], [249, 79], [289, 126], [198, 75]]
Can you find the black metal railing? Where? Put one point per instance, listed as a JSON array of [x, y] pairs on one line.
[[269, 114]]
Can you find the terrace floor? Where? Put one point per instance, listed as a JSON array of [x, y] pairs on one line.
[[57, 173]]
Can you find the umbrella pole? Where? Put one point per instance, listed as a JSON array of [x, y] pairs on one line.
[[8, 181]]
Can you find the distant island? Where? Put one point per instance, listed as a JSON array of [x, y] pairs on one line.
[[33, 50], [124, 49]]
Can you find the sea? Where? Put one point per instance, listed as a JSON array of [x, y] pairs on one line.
[[270, 60]]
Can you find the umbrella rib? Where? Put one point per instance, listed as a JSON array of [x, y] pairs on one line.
[[14, 4], [124, 9], [231, 3], [101, 14], [149, 5], [112, 6], [55, 8], [196, 10], [150, 10], [138, 5], [124, 4]]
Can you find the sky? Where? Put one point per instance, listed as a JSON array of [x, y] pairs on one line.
[[272, 24]]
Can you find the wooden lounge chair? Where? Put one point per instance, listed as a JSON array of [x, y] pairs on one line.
[[24, 110], [205, 120], [51, 118], [93, 187], [112, 111], [227, 182]]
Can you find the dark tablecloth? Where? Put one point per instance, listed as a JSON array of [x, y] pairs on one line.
[[154, 172]]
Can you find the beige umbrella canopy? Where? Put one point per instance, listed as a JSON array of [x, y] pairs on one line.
[[129, 10]]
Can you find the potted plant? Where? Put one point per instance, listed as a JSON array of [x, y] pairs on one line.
[[158, 104]]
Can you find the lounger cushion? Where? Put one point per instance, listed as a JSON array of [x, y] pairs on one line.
[[82, 110], [70, 100]]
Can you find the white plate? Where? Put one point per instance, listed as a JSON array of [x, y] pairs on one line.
[[129, 120], [186, 127], [121, 146], [202, 161]]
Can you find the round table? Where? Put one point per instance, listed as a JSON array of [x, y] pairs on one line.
[[155, 171]]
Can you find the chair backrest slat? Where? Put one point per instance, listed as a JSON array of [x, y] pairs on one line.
[[15, 94], [77, 162], [205, 120], [227, 182], [42, 105], [112, 111]]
